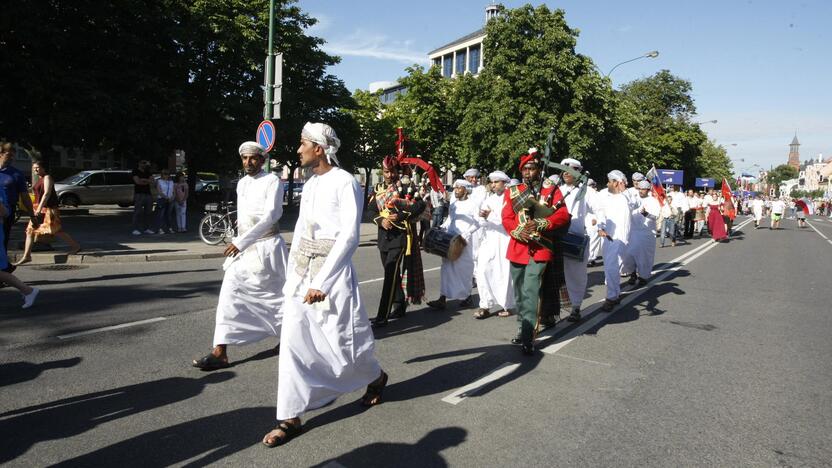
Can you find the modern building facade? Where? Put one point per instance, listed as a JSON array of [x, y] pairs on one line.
[[463, 55]]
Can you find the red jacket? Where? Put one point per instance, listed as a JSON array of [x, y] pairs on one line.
[[519, 251]]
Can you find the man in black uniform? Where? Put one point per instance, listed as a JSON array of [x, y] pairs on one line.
[[396, 206]]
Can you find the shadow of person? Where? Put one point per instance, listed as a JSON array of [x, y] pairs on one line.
[[24, 427], [22, 371], [424, 453], [211, 439], [417, 321], [650, 300]]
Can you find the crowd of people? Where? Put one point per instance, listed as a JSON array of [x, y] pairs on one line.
[[168, 212]]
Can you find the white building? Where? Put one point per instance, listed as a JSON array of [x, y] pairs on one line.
[[463, 55]]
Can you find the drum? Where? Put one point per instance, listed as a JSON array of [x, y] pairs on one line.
[[573, 245], [442, 243]]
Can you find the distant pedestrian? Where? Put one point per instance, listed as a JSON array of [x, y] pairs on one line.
[[716, 224], [668, 224], [48, 223], [13, 185], [29, 293], [164, 203], [439, 205], [142, 200], [778, 209], [180, 194]]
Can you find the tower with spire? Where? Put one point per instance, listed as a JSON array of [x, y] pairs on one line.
[[794, 153]]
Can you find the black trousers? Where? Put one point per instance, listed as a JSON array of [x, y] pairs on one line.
[[391, 292], [689, 223]]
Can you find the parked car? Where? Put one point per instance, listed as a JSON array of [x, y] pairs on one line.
[[98, 187]]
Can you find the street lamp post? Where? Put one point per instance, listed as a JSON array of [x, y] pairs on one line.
[[651, 54]]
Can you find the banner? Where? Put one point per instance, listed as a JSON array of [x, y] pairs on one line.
[[705, 182], [671, 176]]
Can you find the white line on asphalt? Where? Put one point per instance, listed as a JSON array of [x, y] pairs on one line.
[[113, 327], [474, 387], [374, 280], [584, 360], [819, 233], [687, 258]]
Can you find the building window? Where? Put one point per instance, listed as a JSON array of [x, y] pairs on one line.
[[437, 62], [474, 59], [448, 65], [460, 61]]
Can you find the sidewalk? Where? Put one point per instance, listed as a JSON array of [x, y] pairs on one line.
[[104, 233]]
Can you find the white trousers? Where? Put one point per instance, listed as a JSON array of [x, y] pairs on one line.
[[181, 213], [614, 251]]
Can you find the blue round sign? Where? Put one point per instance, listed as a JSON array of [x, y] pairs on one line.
[[265, 134]]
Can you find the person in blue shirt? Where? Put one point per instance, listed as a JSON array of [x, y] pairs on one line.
[[13, 184], [29, 293]]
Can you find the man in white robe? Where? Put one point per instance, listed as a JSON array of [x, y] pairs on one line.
[[614, 227], [250, 299], [757, 207], [575, 270], [492, 272], [327, 345], [641, 251], [591, 225], [477, 193], [455, 276]]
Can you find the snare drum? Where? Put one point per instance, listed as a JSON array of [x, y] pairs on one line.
[[573, 245], [443, 243]]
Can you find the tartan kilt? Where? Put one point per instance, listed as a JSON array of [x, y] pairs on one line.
[[413, 276], [554, 296]]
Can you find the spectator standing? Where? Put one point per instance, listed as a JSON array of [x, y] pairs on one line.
[[668, 227], [164, 202], [48, 219], [438, 205], [13, 184], [180, 194], [142, 200]]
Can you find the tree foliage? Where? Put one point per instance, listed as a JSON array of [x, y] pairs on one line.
[[781, 173]]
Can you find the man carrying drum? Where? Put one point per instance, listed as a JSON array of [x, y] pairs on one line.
[[455, 276]]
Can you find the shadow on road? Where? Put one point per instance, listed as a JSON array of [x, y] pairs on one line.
[[98, 279], [424, 453], [22, 428], [16, 372], [200, 441]]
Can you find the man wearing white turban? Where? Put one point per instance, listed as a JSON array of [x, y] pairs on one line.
[[493, 268], [250, 299], [327, 345], [641, 250], [455, 276], [614, 222]]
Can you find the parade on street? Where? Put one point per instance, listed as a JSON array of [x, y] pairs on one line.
[[508, 256]]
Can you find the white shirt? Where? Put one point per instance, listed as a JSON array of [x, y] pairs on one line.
[[165, 188]]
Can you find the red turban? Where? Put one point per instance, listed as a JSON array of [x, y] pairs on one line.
[[527, 158]]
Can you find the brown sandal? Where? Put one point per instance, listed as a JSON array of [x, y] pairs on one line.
[[482, 314], [504, 313], [373, 395], [290, 431]]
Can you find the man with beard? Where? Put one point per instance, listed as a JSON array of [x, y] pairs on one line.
[[395, 206], [255, 267], [492, 271]]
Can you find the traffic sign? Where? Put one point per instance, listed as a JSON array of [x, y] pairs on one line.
[[265, 134]]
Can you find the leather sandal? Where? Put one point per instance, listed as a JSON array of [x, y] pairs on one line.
[[209, 363], [372, 396], [290, 431], [482, 314]]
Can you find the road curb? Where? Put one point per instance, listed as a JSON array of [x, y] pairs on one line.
[[86, 259]]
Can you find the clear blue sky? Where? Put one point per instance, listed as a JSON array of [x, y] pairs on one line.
[[761, 68]]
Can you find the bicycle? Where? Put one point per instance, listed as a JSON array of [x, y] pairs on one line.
[[218, 223]]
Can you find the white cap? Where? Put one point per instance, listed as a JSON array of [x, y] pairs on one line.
[[573, 163], [498, 176], [462, 183], [554, 178], [471, 173], [644, 185], [513, 182], [637, 176], [325, 137], [251, 147], [616, 175]]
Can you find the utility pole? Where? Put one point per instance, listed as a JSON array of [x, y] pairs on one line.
[[274, 77]]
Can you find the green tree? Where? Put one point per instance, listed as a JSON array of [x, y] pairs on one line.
[[713, 162], [375, 136], [781, 173]]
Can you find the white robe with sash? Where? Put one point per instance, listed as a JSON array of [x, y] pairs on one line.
[[327, 348], [492, 271], [251, 296], [575, 271], [641, 251], [456, 277], [614, 218]]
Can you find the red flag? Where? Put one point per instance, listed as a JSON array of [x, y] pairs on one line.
[[658, 189], [728, 205]]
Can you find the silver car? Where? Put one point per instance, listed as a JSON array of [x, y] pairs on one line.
[[99, 187]]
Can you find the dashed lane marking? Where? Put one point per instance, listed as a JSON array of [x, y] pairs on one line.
[[112, 327], [476, 386], [819, 233], [375, 280]]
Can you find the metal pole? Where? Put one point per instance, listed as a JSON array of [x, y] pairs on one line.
[[267, 112]]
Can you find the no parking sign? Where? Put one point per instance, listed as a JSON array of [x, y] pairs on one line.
[[265, 134]]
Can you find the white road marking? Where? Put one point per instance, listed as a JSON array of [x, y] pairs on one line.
[[113, 327], [819, 233], [682, 261], [585, 360], [375, 280], [474, 387]]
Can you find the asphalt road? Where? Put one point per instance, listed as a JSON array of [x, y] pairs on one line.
[[723, 360]]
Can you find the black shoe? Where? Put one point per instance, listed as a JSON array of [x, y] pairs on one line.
[[516, 340], [468, 302], [642, 282], [437, 304], [379, 323], [527, 349], [548, 322], [397, 313], [633, 279], [575, 316], [608, 305], [591, 264]]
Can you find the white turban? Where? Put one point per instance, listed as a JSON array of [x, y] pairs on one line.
[[644, 185], [616, 175], [252, 147], [591, 182], [462, 183], [498, 176], [471, 173], [554, 178], [513, 183], [573, 163], [325, 137], [637, 176]]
